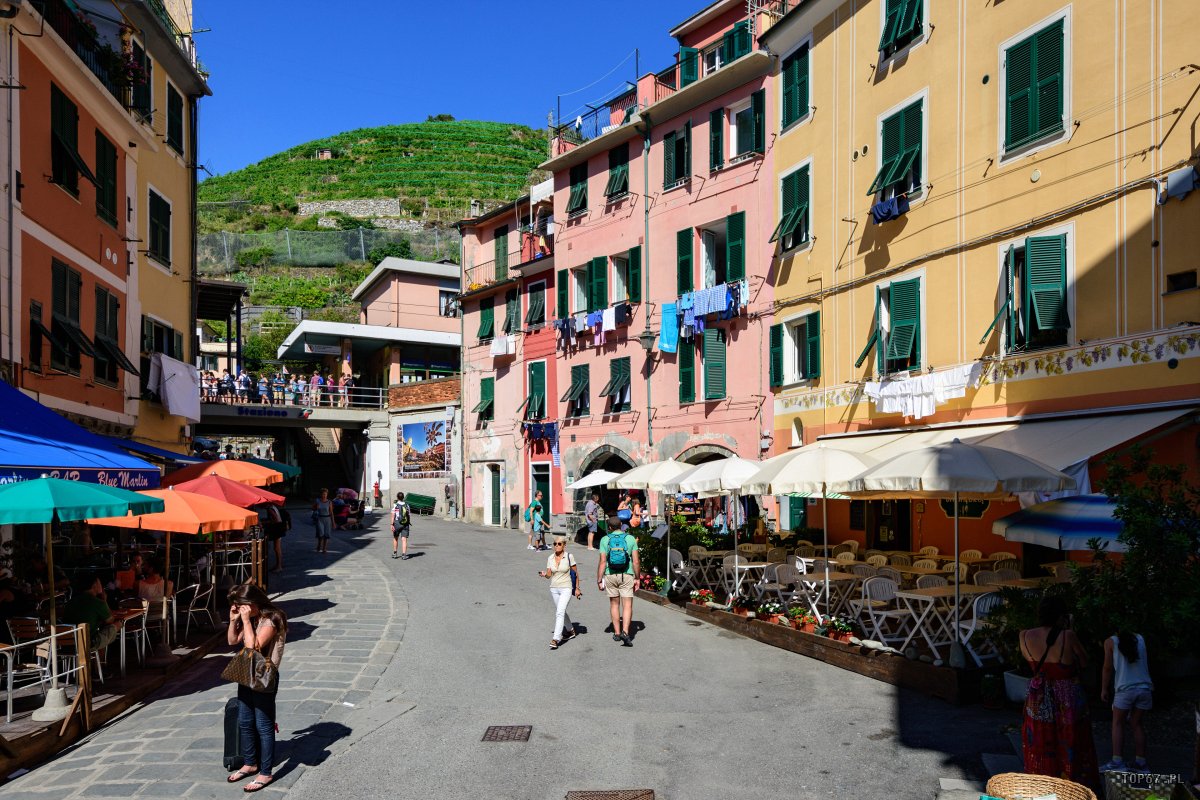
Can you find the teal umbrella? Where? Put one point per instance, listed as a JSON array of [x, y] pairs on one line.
[[43, 500], [286, 470]]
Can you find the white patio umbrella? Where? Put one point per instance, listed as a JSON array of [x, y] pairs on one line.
[[721, 477], [955, 470], [808, 470], [650, 477], [600, 477]]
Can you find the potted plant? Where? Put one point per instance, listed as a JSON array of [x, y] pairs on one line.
[[742, 607], [804, 621], [769, 611], [837, 628], [702, 597]]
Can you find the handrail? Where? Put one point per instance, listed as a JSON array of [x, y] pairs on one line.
[[356, 397]]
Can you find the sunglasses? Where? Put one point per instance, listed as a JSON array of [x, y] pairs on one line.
[[559, 544]]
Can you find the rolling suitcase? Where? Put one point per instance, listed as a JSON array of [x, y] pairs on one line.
[[233, 739]]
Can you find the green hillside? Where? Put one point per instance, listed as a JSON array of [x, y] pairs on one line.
[[447, 163]]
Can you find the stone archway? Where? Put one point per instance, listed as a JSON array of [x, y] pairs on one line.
[[606, 457], [703, 453]]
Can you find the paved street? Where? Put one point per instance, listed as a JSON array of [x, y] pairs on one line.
[[431, 651]]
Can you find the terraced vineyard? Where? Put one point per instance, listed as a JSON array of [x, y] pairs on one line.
[[446, 164]]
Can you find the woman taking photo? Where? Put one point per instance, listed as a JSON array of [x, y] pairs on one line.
[[563, 575], [256, 624]]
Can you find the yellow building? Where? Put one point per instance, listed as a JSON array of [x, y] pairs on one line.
[[1030, 279], [163, 205]]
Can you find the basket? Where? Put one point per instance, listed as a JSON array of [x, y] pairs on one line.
[[1017, 785]]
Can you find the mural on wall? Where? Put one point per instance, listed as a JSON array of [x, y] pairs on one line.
[[423, 449]]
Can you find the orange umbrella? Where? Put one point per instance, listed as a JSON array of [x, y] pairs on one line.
[[186, 512], [239, 471], [239, 494]]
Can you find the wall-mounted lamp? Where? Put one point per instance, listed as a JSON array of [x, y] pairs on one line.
[[646, 340]]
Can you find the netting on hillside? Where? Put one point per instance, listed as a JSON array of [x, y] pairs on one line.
[[218, 253]]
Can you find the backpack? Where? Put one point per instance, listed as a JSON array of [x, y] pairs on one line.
[[400, 516], [527, 513], [618, 553]]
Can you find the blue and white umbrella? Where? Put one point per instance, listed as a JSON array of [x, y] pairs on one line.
[[1066, 524]]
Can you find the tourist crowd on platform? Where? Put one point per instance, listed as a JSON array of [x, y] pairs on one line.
[[279, 388]]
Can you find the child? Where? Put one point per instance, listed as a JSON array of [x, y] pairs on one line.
[[1127, 671], [539, 527]]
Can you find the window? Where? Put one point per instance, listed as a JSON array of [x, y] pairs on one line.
[[534, 403], [160, 229], [712, 60], [487, 319], [617, 390], [896, 327], [425, 362], [748, 133], [447, 303], [512, 312], [581, 280], [577, 202], [66, 165], [597, 281], [683, 260], [903, 22], [689, 58], [576, 398], [142, 98], [1034, 291], [618, 172], [500, 240], [562, 289], [38, 333], [67, 341], [792, 230], [106, 179], [714, 364], [158, 338], [736, 42], [795, 350], [687, 372], [1034, 100], [723, 250], [900, 153], [486, 407], [633, 274], [109, 356], [677, 157], [174, 119], [716, 139], [620, 276], [735, 246], [795, 86], [535, 316]]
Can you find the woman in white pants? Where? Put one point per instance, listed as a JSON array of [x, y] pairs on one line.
[[563, 575]]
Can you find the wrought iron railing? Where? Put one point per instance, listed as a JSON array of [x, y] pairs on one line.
[[102, 59], [596, 122]]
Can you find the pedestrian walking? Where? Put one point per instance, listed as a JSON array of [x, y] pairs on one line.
[[635, 512], [1125, 681], [256, 624], [401, 526], [591, 515], [323, 520], [534, 509], [624, 512], [617, 575], [563, 573], [243, 386], [274, 528]]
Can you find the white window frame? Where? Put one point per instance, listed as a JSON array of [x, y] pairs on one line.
[[797, 427], [619, 267], [808, 242], [718, 58], [1067, 229], [793, 348], [920, 39], [579, 289], [706, 260], [731, 112], [1001, 69], [918, 194], [808, 115], [885, 319]]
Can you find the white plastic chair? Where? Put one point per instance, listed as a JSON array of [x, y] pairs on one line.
[[863, 570], [931, 581], [877, 560], [981, 607], [888, 622], [681, 572], [971, 554], [928, 551], [1008, 563], [1002, 555], [777, 555], [891, 574], [1007, 575], [787, 584], [925, 563], [900, 560], [955, 570], [845, 557]]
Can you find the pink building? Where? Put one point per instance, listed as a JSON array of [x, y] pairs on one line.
[[658, 306]]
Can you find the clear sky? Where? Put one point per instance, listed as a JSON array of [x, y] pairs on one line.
[[284, 73]]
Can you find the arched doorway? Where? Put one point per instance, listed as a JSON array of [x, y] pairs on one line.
[[608, 458], [703, 453]]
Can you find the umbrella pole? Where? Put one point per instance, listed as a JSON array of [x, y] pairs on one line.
[[957, 656], [53, 609], [825, 540], [55, 708]]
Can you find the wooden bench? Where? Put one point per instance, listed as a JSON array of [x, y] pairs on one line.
[[420, 503]]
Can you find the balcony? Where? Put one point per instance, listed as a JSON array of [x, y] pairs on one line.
[[596, 122], [103, 55], [534, 247], [183, 41]]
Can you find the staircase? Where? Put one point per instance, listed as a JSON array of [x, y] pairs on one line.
[[320, 460]]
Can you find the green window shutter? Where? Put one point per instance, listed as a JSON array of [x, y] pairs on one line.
[[1033, 88], [904, 330], [716, 138], [714, 364], [1048, 91], [512, 311], [487, 319], [910, 167], [1018, 92], [578, 198], [910, 23], [536, 313], [683, 260], [668, 159], [793, 221], [795, 86], [890, 143], [758, 109], [633, 281], [147, 327], [486, 405], [689, 66], [174, 119], [736, 42], [618, 171], [812, 345], [598, 284], [177, 346], [796, 513], [874, 339], [789, 196], [535, 401], [687, 150], [1046, 282], [687, 372], [101, 312], [142, 99], [1006, 305], [735, 246], [106, 179], [159, 225], [900, 150], [891, 24], [563, 287], [776, 355], [501, 244]]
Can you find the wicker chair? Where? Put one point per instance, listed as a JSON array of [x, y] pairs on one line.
[[1013, 785], [925, 563]]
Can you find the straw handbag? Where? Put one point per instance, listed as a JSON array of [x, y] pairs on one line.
[[1018, 786]]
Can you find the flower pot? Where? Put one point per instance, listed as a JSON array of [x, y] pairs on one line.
[[840, 636], [770, 619], [808, 627], [1016, 687]]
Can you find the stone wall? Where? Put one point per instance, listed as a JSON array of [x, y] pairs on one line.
[[443, 391], [365, 208]]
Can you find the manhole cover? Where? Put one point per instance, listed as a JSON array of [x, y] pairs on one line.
[[612, 794], [507, 733]]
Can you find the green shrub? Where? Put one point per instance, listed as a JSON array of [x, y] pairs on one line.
[[400, 249], [255, 257]]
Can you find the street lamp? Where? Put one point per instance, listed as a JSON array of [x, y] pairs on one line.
[[646, 340]]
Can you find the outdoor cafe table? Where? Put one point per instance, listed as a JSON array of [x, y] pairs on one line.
[[122, 616], [1024, 583], [841, 586], [742, 569], [933, 612], [910, 574]]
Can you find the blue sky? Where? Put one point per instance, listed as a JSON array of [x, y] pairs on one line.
[[284, 73]]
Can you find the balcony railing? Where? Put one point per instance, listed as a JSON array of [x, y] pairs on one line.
[[534, 246], [182, 40], [80, 34], [596, 122]]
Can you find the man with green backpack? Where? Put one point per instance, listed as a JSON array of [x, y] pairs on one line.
[[617, 574]]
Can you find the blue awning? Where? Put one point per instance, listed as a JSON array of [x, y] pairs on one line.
[[35, 441], [151, 450]]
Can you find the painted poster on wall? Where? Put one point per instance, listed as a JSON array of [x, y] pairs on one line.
[[423, 450]]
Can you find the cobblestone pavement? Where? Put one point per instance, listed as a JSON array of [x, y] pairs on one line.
[[346, 622]]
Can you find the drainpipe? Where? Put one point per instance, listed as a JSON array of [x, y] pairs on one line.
[[194, 124], [9, 180], [462, 385], [647, 336]]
